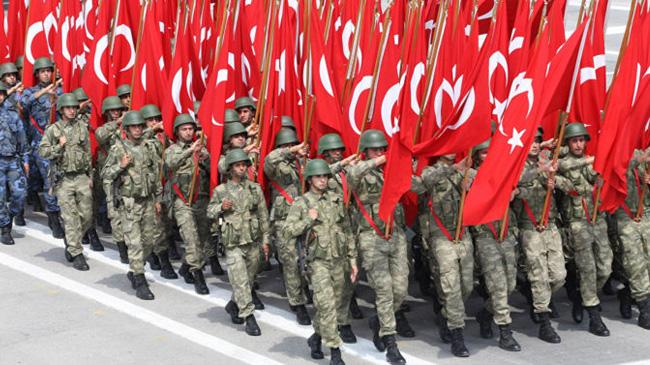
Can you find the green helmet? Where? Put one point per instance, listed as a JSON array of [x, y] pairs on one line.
[[20, 61], [80, 94], [231, 116], [233, 129], [331, 141], [8, 68], [481, 146], [287, 122], [285, 136], [123, 90], [67, 99], [182, 119], [41, 63], [372, 138], [317, 167], [150, 111], [111, 103], [132, 117], [244, 102], [576, 130], [3, 87], [236, 155], [197, 105]]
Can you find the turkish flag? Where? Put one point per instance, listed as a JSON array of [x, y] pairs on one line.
[[498, 69], [68, 48], [5, 53], [125, 39], [17, 19], [90, 11], [204, 35], [39, 39], [247, 69]]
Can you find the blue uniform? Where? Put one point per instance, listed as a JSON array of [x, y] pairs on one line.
[[14, 152]]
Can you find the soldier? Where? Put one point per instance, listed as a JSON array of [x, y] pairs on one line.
[[282, 168], [185, 159], [133, 164], [37, 105], [288, 123], [19, 66], [67, 145], [84, 104], [14, 163], [9, 74], [231, 116], [383, 257], [321, 217], [240, 204], [234, 136], [124, 93], [245, 107], [593, 254]]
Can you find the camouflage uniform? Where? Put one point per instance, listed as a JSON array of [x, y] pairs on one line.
[[14, 153], [107, 135], [163, 225]]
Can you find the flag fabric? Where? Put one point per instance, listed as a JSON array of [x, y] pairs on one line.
[[16, 26], [40, 36], [68, 48]]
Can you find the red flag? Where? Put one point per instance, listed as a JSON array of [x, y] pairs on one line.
[[499, 77], [40, 36], [125, 38], [17, 19], [5, 52], [90, 11], [68, 49]]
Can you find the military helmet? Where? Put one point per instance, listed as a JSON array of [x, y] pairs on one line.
[[3, 87], [481, 146], [182, 119], [331, 141], [287, 122], [372, 138], [67, 99], [244, 102], [317, 167], [20, 61], [197, 106], [233, 129], [123, 90], [237, 155], [111, 103], [575, 130], [132, 117], [80, 94], [150, 111], [231, 116], [8, 68], [41, 63], [285, 136]]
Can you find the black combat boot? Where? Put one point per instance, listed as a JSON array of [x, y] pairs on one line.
[[68, 256], [173, 250], [458, 343], [608, 288], [6, 238], [200, 286], [105, 223], [555, 313], [546, 331], [124, 252], [484, 319], [95, 243], [355, 311], [443, 331], [54, 221], [184, 271], [403, 327], [79, 263], [393, 356], [85, 240], [131, 277], [314, 343], [596, 325], [506, 341], [142, 287], [233, 311], [335, 356], [571, 286], [252, 329], [644, 313], [19, 219], [154, 263], [215, 266], [625, 302], [346, 334], [373, 322], [166, 268], [256, 300], [301, 314]]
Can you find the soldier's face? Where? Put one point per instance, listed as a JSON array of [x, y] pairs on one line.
[[10, 79], [126, 100], [185, 132], [238, 140], [245, 115], [115, 113], [151, 122], [482, 155], [69, 112], [136, 131], [44, 75], [577, 145], [332, 156], [375, 152], [319, 182], [238, 169], [534, 149], [3, 96]]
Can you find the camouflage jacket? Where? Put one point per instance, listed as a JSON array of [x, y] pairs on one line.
[[38, 109], [282, 168], [74, 156], [635, 173], [180, 160], [582, 177], [13, 139]]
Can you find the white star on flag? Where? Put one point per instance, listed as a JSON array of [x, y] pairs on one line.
[[515, 140]]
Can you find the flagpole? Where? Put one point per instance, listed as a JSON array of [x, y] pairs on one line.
[[463, 195], [306, 43], [504, 225], [143, 11], [353, 53], [328, 22], [581, 11]]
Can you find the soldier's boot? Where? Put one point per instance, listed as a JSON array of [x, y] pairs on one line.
[[393, 356], [596, 325], [124, 252], [85, 240], [355, 311], [68, 257], [625, 302], [644, 313], [484, 319], [346, 334], [301, 314], [166, 268], [256, 300], [215, 266], [6, 238], [19, 219], [200, 286], [576, 308], [443, 331], [546, 331], [335, 356], [526, 290], [402, 326], [233, 311], [142, 287], [314, 343], [173, 249], [571, 286], [107, 228], [404, 307], [154, 263], [458, 348], [555, 313], [184, 271], [79, 263], [130, 276], [608, 288], [54, 221], [506, 341], [95, 243], [252, 329], [373, 323]]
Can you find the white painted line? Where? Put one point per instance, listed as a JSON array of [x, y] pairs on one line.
[[271, 315], [618, 29], [201, 338]]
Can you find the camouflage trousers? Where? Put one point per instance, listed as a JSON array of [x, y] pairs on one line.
[[162, 232], [43, 166], [499, 268], [242, 263], [294, 282], [114, 214], [456, 275], [76, 201], [327, 280], [344, 317], [544, 264], [635, 241], [13, 185], [194, 228], [593, 257], [138, 216], [385, 262]]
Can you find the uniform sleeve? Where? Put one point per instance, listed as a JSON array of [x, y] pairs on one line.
[[112, 168], [297, 221], [563, 184], [176, 157], [24, 149], [214, 207], [50, 148], [358, 171], [27, 99], [417, 185], [103, 134], [157, 160], [263, 216], [273, 166]]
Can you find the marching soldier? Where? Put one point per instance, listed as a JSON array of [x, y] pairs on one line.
[[245, 107], [133, 165], [124, 93], [320, 215], [234, 136], [84, 104], [240, 203], [67, 145]]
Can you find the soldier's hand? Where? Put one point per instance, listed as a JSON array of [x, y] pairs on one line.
[[196, 146], [90, 183], [226, 204], [348, 160], [599, 181], [550, 183], [158, 209], [252, 148], [252, 130], [380, 160], [158, 127], [62, 141], [646, 178], [83, 104], [550, 143], [118, 121], [354, 271], [590, 159], [266, 249], [125, 161], [514, 193], [26, 169], [298, 149], [313, 214]]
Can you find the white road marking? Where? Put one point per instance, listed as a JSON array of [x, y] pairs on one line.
[[576, 4], [201, 338]]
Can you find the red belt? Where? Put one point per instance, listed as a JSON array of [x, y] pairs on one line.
[[369, 219], [442, 227]]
